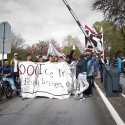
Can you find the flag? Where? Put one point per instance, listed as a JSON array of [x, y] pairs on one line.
[[52, 51], [96, 39]]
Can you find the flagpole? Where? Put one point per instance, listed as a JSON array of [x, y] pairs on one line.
[[103, 43], [80, 25]]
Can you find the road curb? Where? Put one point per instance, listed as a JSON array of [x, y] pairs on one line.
[[123, 95], [111, 109]]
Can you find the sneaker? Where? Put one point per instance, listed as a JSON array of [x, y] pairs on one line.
[[24, 98], [82, 99], [76, 94]]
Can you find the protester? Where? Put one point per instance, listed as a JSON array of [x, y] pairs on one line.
[[95, 68], [8, 71], [90, 76], [117, 61], [101, 68], [123, 64], [14, 62], [50, 58], [81, 74], [28, 57], [107, 61], [56, 59], [61, 59], [40, 59]]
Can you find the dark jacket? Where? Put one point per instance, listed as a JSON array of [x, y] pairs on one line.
[[7, 70], [82, 65]]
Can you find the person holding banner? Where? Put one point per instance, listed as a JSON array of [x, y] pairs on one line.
[[50, 58], [28, 57], [40, 59], [56, 59], [81, 74]]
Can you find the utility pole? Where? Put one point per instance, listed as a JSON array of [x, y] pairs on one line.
[[3, 42]]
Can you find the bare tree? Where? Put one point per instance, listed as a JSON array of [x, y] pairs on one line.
[[69, 40], [16, 41]]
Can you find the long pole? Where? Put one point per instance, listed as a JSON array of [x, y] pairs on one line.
[[3, 42], [78, 22], [80, 25]]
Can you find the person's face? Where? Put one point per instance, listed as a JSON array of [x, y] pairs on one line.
[[67, 59], [120, 55], [56, 59], [6, 63], [15, 57], [29, 58], [51, 59], [61, 60], [40, 60]]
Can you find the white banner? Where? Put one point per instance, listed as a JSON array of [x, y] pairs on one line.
[[53, 80]]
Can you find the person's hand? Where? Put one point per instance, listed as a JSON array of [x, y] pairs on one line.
[[74, 47], [93, 49], [6, 75]]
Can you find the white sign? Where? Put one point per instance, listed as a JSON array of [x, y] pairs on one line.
[[5, 56], [5, 32], [53, 80]]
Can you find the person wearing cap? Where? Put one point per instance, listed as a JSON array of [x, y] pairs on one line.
[[14, 62], [81, 74]]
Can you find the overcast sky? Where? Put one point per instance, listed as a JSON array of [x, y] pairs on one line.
[[38, 20]]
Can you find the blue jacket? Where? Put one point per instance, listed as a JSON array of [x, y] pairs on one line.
[[7, 70], [89, 66], [120, 65]]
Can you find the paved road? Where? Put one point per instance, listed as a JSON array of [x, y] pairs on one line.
[[44, 111], [122, 80]]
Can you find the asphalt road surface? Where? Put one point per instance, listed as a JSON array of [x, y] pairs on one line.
[[44, 111]]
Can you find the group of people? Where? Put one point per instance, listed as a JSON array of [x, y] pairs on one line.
[[87, 68]]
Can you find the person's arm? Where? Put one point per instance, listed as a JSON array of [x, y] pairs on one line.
[[71, 53], [90, 56]]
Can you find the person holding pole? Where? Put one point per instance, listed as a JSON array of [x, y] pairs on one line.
[[81, 74]]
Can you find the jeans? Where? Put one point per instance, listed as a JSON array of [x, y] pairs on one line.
[[11, 83], [82, 80]]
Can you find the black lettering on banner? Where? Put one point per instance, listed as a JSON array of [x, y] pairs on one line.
[[50, 74], [68, 84], [36, 70], [40, 69], [28, 70], [25, 81], [61, 73]]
